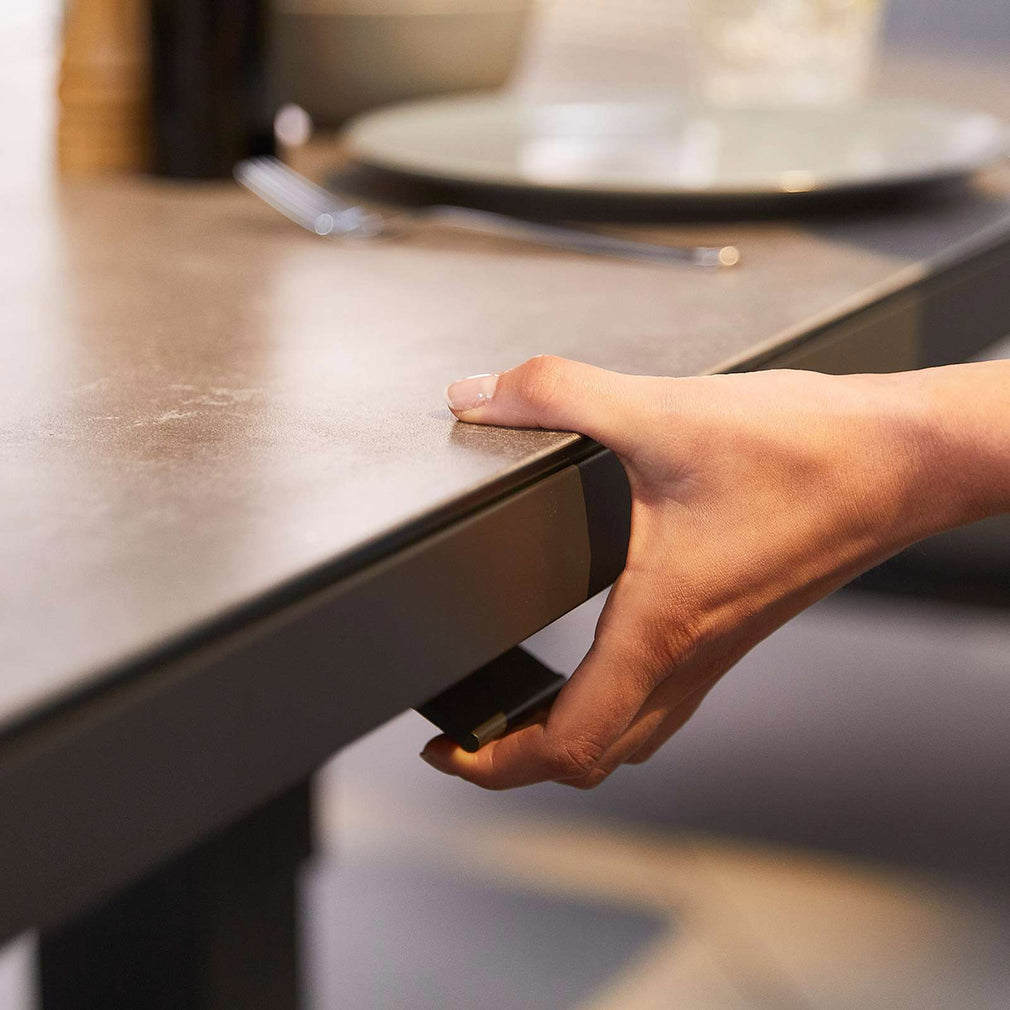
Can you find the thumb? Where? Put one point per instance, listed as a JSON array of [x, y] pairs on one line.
[[553, 393]]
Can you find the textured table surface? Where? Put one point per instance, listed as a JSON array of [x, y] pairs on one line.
[[200, 403]]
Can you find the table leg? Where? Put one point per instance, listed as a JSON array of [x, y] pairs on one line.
[[216, 928]]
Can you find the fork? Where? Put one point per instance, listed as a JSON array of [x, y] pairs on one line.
[[320, 211]]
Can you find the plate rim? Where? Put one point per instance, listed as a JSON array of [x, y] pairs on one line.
[[360, 149]]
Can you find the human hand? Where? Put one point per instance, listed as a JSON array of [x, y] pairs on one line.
[[753, 495]]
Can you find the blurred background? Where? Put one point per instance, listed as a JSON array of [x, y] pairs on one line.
[[829, 831]]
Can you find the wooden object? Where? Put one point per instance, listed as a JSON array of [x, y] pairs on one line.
[[104, 88]]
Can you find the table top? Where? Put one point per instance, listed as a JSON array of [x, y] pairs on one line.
[[238, 529], [201, 405]]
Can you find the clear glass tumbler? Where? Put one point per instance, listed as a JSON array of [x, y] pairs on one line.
[[766, 53]]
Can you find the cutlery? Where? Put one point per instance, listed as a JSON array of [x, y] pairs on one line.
[[323, 212]]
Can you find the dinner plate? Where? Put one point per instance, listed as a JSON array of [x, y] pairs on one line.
[[658, 147]]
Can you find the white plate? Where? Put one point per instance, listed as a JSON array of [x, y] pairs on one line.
[[651, 147]]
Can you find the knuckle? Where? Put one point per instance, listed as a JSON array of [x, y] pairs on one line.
[[577, 758], [538, 380]]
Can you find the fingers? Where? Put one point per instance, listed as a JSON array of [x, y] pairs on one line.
[[557, 394], [661, 716], [592, 712], [671, 723], [528, 755], [521, 758], [641, 730]]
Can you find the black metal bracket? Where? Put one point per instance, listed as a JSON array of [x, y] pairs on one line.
[[499, 696]]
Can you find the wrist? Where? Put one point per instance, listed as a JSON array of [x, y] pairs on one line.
[[961, 419], [902, 465]]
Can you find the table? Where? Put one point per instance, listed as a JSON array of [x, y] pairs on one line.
[[238, 529]]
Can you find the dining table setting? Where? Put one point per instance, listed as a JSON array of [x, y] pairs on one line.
[[239, 529]]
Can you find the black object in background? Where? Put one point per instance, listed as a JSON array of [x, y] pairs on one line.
[[209, 85], [494, 699]]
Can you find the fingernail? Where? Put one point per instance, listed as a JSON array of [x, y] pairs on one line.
[[473, 391]]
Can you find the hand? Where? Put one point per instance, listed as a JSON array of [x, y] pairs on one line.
[[752, 496]]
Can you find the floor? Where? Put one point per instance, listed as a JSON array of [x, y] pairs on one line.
[[828, 832]]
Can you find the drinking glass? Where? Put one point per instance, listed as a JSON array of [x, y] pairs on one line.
[[766, 53]]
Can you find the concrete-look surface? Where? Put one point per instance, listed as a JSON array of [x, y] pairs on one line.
[[201, 403]]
